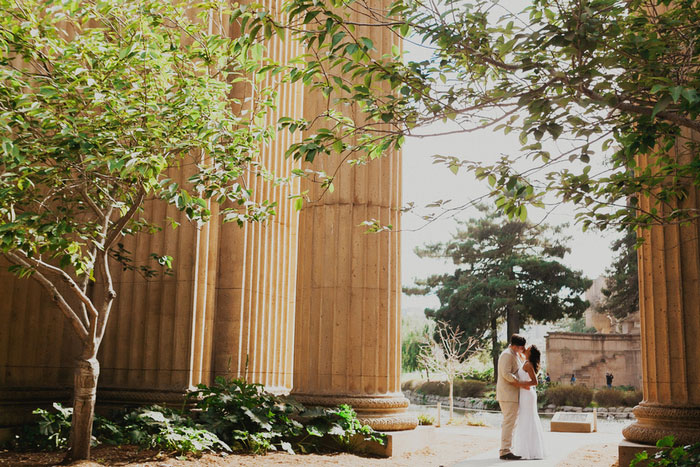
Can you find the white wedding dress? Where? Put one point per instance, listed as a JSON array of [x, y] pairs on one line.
[[528, 437]]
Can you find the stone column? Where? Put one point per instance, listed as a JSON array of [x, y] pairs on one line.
[[347, 342], [669, 283]]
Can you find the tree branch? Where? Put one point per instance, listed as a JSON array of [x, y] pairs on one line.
[[121, 223], [73, 318]]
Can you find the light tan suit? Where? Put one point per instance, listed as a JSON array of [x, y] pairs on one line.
[[507, 395]]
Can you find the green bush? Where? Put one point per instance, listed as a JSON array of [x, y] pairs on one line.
[[246, 417], [633, 398], [609, 397], [578, 396], [424, 419], [462, 388], [148, 427], [49, 432], [252, 420], [158, 427], [230, 415], [670, 456], [469, 388], [410, 385], [617, 398]]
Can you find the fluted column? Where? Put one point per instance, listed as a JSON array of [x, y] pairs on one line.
[[256, 285], [669, 279], [347, 342]]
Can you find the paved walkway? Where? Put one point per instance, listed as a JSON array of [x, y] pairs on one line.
[[559, 446]]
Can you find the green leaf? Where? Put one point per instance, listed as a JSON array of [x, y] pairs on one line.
[[661, 105]]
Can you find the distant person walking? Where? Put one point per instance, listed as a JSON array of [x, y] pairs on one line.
[[547, 379], [573, 379], [609, 379]]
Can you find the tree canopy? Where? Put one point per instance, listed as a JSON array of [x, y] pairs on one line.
[[576, 79], [506, 270], [100, 104]]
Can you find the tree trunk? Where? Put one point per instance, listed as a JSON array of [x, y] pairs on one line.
[[452, 403], [85, 392], [513, 322], [494, 348]]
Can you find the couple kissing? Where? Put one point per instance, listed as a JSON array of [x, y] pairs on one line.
[[521, 432]]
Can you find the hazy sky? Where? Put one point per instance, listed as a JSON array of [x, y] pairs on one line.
[[424, 182]]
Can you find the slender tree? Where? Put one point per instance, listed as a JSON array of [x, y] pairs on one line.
[[446, 353], [99, 103], [507, 270]]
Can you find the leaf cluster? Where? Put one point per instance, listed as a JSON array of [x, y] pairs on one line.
[[615, 80], [670, 455]]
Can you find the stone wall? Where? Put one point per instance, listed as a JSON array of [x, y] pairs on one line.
[[590, 356]]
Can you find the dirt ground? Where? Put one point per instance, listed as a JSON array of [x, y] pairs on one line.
[[446, 450]]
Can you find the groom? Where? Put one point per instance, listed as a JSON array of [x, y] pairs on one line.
[[507, 392]]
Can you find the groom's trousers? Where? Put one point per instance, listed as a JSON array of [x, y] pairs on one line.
[[510, 414]]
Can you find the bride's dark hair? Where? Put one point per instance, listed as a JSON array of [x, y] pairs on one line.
[[534, 358]]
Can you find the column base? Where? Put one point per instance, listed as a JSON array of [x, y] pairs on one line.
[[382, 413], [656, 421], [627, 451]]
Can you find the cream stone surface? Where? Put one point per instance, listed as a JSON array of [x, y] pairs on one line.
[[590, 356], [669, 289]]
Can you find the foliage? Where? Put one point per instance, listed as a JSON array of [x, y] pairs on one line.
[[100, 103], [412, 341], [622, 283], [579, 325], [462, 388], [49, 432], [506, 269], [485, 375], [148, 427], [670, 455], [609, 397], [245, 416], [158, 427], [252, 420], [573, 78], [574, 395], [632, 398], [424, 419], [337, 428]]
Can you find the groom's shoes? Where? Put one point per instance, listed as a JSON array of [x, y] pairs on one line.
[[510, 457]]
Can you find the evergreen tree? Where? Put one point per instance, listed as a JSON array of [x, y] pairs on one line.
[[507, 270]]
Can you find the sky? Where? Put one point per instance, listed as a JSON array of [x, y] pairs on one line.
[[425, 182]]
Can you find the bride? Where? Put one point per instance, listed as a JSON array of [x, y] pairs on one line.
[[528, 439]]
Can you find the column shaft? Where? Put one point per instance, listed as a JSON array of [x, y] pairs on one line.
[[669, 279]]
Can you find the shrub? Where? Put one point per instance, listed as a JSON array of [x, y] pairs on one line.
[[49, 432], [633, 398], [252, 420], [245, 416], [671, 455], [462, 388], [158, 427], [410, 385], [609, 397], [437, 388], [469, 388], [616, 398], [424, 419], [579, 396]]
